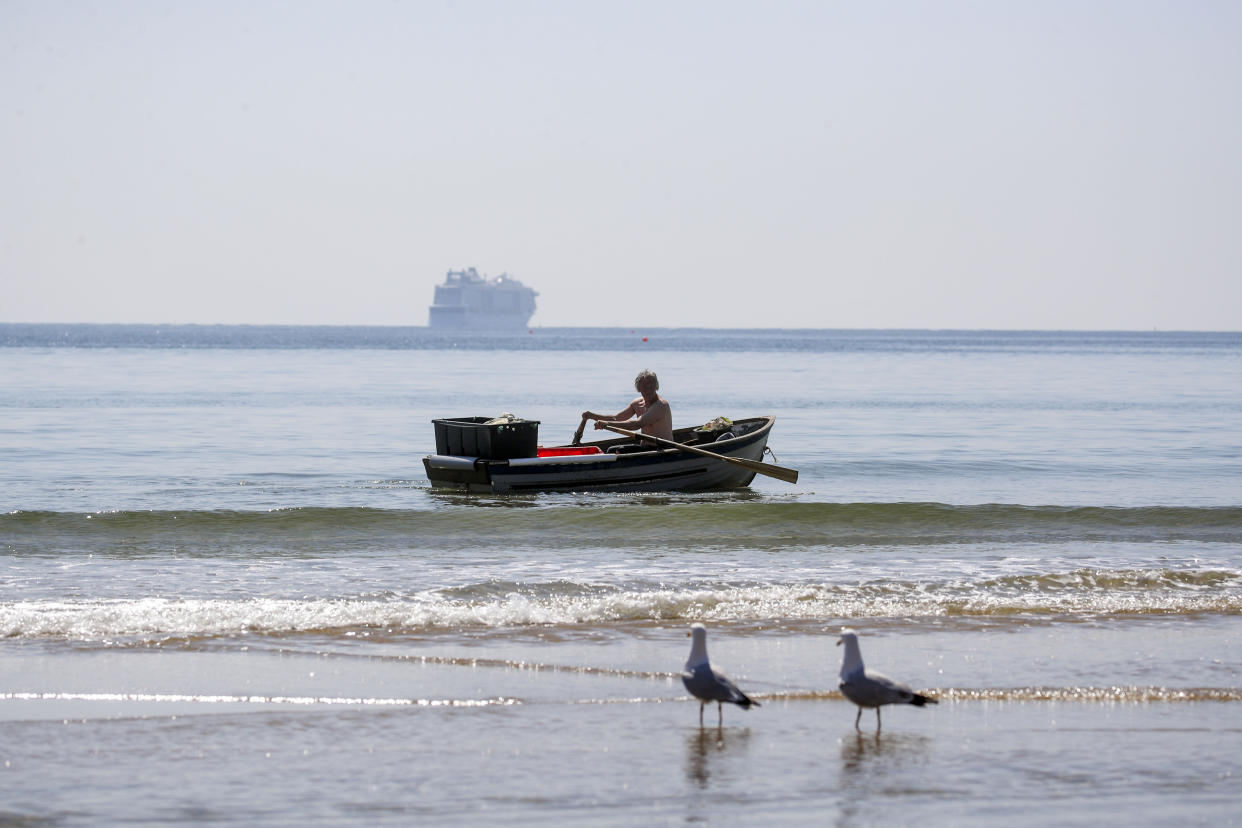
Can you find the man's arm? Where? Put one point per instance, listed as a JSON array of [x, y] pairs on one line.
[[622, 415], [653, 415]]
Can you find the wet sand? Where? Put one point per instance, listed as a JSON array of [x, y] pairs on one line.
[[579, 728]]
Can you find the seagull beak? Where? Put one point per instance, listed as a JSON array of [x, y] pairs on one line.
[[838, 642]]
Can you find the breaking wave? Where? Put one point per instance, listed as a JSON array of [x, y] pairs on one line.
[[566, 603]]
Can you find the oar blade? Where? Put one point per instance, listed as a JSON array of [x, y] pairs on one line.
[[771, 470]]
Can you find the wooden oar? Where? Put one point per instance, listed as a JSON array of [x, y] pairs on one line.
[[578, 434], [779, 472]]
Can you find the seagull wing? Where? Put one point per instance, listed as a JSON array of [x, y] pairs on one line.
[[708, 685], [870, 689]]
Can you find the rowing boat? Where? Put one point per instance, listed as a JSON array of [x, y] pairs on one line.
[[616, 465]]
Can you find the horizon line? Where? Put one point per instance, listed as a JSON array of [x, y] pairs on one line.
[[529, 329]]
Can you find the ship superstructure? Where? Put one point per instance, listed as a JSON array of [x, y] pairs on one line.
[[468, 301]]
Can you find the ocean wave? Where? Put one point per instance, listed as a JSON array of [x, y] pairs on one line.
[[640, 521], [564, 603], [299, 701], [1105, 695]]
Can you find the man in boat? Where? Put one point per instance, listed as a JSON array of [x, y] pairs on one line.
[[650, 413]]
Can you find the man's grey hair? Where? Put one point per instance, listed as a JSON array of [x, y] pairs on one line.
[[646, 376]]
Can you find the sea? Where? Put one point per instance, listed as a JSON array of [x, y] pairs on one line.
[[229, 594]]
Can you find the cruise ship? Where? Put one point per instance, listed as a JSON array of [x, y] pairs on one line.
[[468, 301]]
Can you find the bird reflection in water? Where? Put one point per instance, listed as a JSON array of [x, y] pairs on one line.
[[863, 753], [705, 747], [876, 767]]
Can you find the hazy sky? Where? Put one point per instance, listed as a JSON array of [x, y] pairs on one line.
[[852, 164]]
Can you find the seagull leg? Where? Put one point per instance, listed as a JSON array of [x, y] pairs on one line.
[[857, 718], [701, 706], [720, 713], [877, 720]]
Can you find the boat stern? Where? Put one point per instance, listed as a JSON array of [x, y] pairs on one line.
[[461, 473]]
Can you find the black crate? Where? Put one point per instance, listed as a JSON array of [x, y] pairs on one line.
[[473, 437]]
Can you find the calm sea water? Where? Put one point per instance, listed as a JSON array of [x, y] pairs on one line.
[[228, 593]]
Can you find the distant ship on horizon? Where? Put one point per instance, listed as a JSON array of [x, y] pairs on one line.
[[468, 301]]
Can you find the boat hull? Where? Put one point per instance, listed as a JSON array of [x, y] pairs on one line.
[[619, 467], [459, 318]]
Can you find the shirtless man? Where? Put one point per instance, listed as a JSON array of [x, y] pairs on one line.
[[650, 413]]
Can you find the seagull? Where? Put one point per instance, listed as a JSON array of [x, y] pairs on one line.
[[869, 689], [705, 684]]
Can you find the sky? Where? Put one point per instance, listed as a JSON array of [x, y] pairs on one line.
[[1033, 164]]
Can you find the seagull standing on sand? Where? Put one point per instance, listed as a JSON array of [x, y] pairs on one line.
[[868, 689], [705, 684]]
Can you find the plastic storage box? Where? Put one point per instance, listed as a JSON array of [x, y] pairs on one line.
[[475, 437]]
